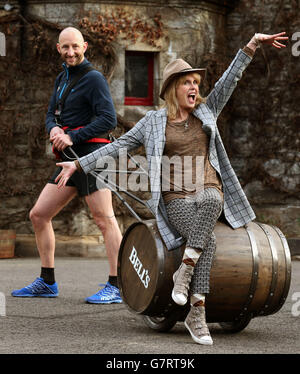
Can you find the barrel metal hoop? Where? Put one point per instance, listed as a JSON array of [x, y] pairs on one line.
[[273, 284], [255, 262], [287, 256]]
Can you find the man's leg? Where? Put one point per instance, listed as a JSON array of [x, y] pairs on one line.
[[100, 204], [49, 203]]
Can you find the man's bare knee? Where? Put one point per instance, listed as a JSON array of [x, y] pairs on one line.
[[104, 222], [37, 217]]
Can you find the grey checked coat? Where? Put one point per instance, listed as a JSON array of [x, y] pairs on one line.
[[150, 132]]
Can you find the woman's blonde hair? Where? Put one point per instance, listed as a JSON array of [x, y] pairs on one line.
[[171, 102]]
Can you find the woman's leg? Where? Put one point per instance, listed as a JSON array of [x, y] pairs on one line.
[[196, 222], [209, 206], [181, 213], [195, 322], [201, 276]]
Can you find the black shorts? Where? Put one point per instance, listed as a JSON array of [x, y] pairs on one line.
[[84, 183]]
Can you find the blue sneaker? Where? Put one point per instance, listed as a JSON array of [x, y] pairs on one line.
[[107, 295], [37, 288]]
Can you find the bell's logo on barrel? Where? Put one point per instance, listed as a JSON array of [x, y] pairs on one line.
[[138, 267]]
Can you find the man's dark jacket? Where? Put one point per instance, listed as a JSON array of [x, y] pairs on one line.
[[89, 104]]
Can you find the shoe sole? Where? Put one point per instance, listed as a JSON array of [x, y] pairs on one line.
[[35, 295], [197, 340], [177, 301], [104, 302]]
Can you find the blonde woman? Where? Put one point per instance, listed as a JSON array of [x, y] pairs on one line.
[[187, 127]]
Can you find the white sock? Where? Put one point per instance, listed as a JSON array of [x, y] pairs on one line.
[[198, 299], [191, 256]]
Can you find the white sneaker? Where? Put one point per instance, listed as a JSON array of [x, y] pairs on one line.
[[182, 278], [196, 324]]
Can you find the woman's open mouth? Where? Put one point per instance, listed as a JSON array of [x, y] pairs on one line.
[[192, 98]]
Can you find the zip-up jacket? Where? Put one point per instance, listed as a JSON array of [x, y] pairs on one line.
[[89, 104]]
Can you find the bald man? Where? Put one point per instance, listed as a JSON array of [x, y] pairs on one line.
[[82, 121]]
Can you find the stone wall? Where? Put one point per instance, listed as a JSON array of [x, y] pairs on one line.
[[191, 29], [258, 124], [264, 128]]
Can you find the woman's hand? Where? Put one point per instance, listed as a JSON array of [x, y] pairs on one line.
[[68, 169], [273, 40]]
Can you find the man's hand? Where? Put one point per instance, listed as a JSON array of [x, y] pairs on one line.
[[61, 141], [56, 130]]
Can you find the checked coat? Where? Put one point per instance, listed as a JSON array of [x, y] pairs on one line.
[[150, 132]]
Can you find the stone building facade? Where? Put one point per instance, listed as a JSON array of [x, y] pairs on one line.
[[259, 124]]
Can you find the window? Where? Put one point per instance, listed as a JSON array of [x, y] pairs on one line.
[[139, 78]]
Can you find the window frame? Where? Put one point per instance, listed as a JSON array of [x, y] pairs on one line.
[[145, 101]]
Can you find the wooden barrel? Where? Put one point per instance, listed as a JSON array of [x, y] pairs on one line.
[[7, 243], [250, 274]]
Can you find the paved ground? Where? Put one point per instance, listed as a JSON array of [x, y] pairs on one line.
[[67, 325]]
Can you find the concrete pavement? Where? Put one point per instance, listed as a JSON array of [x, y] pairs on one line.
[[68, 325]]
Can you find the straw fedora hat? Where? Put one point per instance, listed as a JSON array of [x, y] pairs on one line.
[[175, 68]]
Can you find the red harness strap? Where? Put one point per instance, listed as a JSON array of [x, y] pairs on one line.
[[93, 140]]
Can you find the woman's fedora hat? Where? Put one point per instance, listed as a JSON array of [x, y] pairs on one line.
[[174, 68]]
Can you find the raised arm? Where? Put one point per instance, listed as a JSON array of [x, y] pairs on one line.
[[225, 86]]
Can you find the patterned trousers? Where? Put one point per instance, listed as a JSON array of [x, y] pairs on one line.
[[195, 221]]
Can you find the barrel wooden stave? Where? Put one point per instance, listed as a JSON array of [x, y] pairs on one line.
[[242, 280], [242, 274], [230, 274], [281, 270]]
